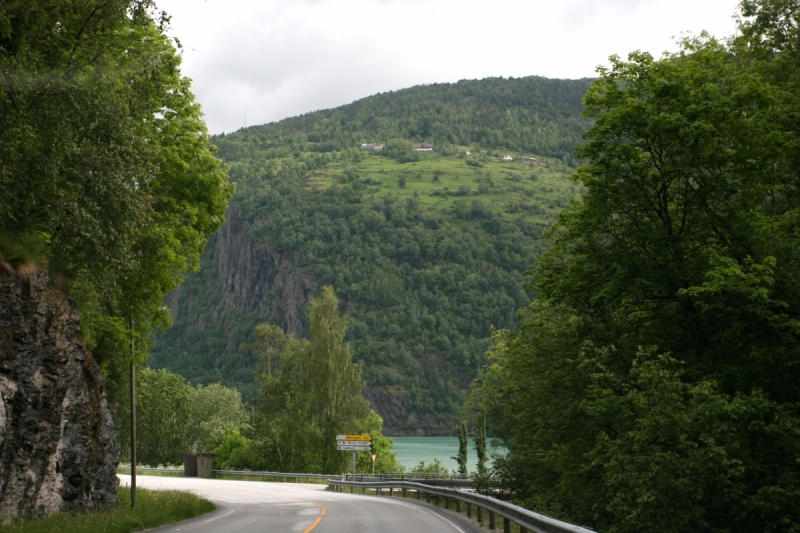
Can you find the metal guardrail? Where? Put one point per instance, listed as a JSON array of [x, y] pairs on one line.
[[284, 475], [455, 480], [146, 469], [419, 475], [527, 520], [242, 473]]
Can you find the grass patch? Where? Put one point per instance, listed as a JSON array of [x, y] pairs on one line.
[[533, 193], [153, 508]]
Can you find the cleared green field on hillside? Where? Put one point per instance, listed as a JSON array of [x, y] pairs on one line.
[[444, 183]]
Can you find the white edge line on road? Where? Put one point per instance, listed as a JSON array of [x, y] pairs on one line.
[[437, 515], [223, 516]]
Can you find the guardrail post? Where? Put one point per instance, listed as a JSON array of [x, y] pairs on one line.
[[506, 525], [404, 493], [428, 497], [469, 510], [447, 503], [458, 506], [391, 492], [492, 520], [480, 514], [418, 494]]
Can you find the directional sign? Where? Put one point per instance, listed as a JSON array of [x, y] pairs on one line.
[[354, 437], [350, 447], [353, 443]]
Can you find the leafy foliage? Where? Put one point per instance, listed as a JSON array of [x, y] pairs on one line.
[[434, 467], [105, 161], [480, 444], [174, 417], [651, 385], [386, 459], [463, 448], [314, 396], [529, 114]]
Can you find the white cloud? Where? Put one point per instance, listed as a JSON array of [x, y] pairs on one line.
[[280, 58]]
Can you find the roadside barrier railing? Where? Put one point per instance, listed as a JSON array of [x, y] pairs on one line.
[[454, 480], [147, 469], [528, 521], [242, 473], [284, 475], [439, 480]]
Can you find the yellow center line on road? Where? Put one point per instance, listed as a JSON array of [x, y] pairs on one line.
[[319, 518], [312, 526]]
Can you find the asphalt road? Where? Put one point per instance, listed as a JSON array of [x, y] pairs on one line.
[[246, 506]]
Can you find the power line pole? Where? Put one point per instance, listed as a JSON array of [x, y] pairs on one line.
[[133, 422]]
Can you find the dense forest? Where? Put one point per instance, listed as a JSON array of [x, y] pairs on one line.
[[427, 251], [531, 114]]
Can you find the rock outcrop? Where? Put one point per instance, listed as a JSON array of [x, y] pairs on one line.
[[398, 421], [57, 445], [256, 278]]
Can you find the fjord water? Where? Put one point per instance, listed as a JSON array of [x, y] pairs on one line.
[[412, 450]]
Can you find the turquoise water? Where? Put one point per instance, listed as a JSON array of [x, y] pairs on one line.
[[412, 450]]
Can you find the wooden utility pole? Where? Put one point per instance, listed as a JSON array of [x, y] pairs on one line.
[[133, 422]]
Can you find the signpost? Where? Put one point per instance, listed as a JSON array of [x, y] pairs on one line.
[[355, 443]]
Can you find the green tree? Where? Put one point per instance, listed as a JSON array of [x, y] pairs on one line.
[[463, 448], [104, 157], [270, 340], [386, 459], [315, 395], [651, 385], [480, 443], [214, 412], [163, 403]]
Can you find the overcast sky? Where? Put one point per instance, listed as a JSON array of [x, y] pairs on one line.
[[273, 59]]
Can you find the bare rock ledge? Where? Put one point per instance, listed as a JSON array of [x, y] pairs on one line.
[[57, 446]]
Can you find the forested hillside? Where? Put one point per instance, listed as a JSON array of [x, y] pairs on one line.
[[427, 251]]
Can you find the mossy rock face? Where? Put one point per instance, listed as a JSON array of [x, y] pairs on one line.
[[57, 445]]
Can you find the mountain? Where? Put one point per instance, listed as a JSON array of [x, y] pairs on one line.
[[427, 250]]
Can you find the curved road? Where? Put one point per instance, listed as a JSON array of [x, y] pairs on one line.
[[252, 506]]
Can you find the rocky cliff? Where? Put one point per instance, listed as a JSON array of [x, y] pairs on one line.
[[57, 445], [256, 278]]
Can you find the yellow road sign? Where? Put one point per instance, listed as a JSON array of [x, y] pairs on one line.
[[354, 437]]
